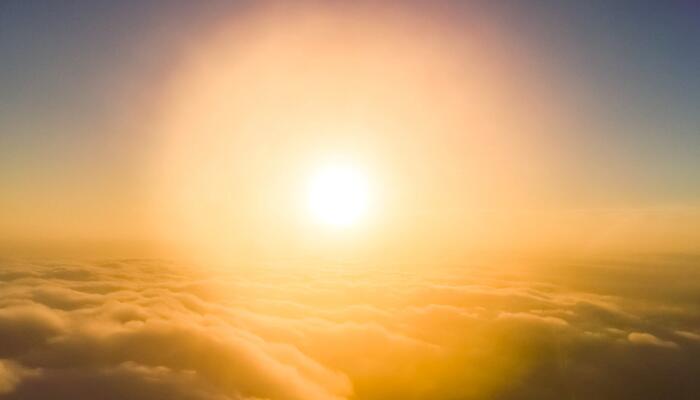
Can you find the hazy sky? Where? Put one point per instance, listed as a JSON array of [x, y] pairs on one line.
[[82, 89]]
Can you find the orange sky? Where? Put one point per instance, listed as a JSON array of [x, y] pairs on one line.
[[471, 142]]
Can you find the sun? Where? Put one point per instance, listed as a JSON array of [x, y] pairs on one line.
[[338, 195]]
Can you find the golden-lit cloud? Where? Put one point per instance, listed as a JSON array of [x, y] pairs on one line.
[[140, 329]]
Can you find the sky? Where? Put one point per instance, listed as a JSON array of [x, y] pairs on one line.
[[601, 98], [613, 87], [328, 200]]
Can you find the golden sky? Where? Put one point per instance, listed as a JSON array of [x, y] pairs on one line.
[[457, 131], [468, 134]]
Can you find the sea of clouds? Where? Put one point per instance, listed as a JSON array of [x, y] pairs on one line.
[[144, 329]]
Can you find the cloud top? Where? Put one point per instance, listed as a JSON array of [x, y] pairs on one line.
[[143, 329]]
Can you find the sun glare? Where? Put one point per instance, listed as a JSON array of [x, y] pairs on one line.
[[338, 195]]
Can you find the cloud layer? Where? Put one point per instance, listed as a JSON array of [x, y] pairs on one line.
[[142, 329]]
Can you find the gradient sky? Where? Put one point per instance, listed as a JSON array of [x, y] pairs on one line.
[[80, 84]]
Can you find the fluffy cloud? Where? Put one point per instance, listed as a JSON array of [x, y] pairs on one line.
[[143, 329]]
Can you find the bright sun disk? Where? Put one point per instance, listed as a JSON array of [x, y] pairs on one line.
[[338, 195]]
